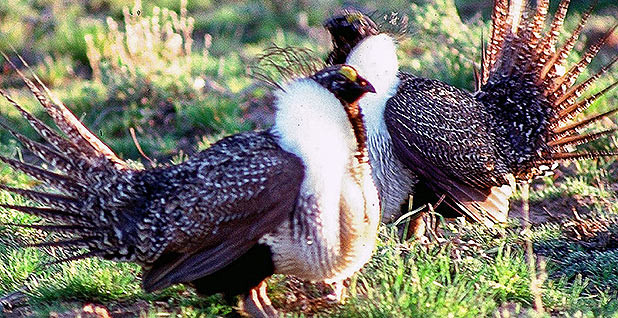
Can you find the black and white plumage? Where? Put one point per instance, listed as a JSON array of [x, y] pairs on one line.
[[296, 199], [472, 147]]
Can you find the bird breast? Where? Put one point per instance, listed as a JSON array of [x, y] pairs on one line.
[[321, 244]]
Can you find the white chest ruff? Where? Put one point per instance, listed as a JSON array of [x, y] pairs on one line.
[[313, 246]]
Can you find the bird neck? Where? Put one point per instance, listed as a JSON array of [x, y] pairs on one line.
[[356, 118], [375, 58]]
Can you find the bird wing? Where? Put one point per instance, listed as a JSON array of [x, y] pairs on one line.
[[439, 132], [232, 194]]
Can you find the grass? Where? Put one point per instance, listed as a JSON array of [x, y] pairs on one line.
[[190, 87]]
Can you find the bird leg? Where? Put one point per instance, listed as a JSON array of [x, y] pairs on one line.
[[338, 293], [257, 304], [417, 226]]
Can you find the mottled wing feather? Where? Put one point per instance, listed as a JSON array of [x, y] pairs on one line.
[[439, 132], [242, 189], [448, 129]]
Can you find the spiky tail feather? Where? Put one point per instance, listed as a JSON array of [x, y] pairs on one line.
[[92, 181], [525, 82]]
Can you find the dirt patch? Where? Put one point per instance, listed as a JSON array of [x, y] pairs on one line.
[[299, 296], [554, 210], [594, 233], [88, 310]]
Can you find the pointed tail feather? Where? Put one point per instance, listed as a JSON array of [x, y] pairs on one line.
[[44, 152], [569, 78], [497, 37], [528, 86], [575, 109], [564, 98], [576, 140], [100, 201], [555, 64], [548, 43], [81, 242], [51, 214], [579, 156], [58, 181], [95, 253], [61, 144], [577, 126], [68, 229], [87, 142], [56, 201]]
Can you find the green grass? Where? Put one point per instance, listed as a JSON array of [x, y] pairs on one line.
[[180, 99]]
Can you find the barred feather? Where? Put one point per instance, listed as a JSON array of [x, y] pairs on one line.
[[51, 214], [557, 61], [87, 142], [56, 201], [577, 140], [58, 181], [576, 126], [569, 78], [575, 109], [56, 159], [579, 156], [61, 144], [92, 253], [547, 96], [548, 43], [82, 242], [66, 229], [570, 96]]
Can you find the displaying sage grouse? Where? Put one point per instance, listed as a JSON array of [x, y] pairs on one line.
[[431, 139], [296, 199]]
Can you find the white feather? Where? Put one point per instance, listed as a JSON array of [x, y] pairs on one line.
[[312, 124], [375, 59]]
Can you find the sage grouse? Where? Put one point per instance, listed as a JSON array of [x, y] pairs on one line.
[[432, 139], [296, 199]]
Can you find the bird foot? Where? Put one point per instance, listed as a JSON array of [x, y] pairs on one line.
[[338, 294], [417, 227], [257, 304]]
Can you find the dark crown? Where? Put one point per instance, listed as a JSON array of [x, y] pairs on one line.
[[344, 82]]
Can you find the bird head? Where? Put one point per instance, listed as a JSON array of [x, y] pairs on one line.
[[344, 82], [347, 29]]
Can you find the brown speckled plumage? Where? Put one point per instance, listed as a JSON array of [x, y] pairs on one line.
[[221, 219], [468, 145]]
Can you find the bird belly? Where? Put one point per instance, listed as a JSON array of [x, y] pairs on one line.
[[311, 248], [393, 180]]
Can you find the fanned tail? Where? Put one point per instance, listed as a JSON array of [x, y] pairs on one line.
[[78, 134], [528, 87], [90, 183]]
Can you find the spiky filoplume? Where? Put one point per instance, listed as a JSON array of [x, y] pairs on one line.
[[473, 146], [296, 199]]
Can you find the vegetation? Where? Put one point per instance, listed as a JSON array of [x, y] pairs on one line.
[[179, 74]]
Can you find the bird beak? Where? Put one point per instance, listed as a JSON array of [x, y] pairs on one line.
[[365, 85]]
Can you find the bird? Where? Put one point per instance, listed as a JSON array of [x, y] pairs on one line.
[[441, 143], [295, 199]]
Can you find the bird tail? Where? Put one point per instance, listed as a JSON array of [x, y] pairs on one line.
[[526, 83], [86, 191]]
